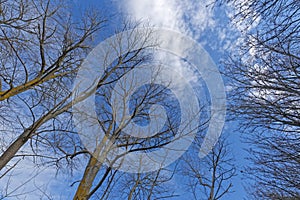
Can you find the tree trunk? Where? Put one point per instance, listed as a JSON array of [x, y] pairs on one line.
[[14, 148], [87, 180]]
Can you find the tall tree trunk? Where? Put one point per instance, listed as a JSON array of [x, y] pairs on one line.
[[11, 151], [87, 180], [14, 148]]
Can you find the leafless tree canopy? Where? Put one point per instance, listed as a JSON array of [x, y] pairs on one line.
[[211, 177], [42, 47], [264, 75]]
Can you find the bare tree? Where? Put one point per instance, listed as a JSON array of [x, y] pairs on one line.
[[120, 132], [210, 177], [42, 47], [126, 61], [141, 100], [264, 77]]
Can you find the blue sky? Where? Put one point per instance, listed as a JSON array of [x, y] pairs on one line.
[[211, 29]]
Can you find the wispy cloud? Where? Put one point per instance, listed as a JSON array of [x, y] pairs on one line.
[[188, 17]]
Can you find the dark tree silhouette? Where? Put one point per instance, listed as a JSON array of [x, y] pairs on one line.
[[264, 75]]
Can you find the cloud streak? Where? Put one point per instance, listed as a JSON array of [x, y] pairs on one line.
[[186, 16]]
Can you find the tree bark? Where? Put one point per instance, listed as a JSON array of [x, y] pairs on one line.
[[87, 180], [14, 148]]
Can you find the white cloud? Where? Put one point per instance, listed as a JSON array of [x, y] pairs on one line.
[[157, 12], [188, 17]]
